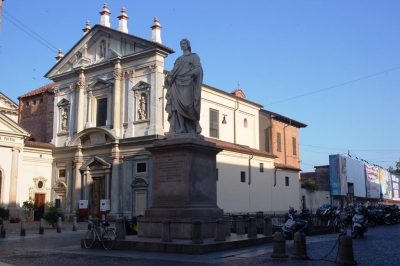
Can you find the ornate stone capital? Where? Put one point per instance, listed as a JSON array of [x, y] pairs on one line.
[[153, 67], [81, 84], [72, 87], [131, 73], [118, 74]]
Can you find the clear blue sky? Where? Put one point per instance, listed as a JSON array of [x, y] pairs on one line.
[[333, 65]]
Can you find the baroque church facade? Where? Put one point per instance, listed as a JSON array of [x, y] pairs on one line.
[[108, 106]]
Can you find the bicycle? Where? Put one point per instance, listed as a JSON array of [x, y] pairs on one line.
[[337, 222], [108, 237]]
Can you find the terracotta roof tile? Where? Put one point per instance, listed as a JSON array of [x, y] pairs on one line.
[[46, 88], [240, 148], [286, 167], [34, 144]]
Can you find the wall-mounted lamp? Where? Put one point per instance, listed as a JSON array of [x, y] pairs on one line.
[[224, 120]]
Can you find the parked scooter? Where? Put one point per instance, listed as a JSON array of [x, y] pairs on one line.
[[360, 221], [295, 224]]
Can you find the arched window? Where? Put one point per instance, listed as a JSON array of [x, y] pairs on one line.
[[245, 122]]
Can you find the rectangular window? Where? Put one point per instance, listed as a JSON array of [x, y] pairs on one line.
[[278, 141], [214, 131], [141, 167], [267, 148], [287, 181], [243, 177], [101, 116], [61, 173], [294, 146], [261, 167]]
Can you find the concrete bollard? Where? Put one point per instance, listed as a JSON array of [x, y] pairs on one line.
[[220, 230], [252, 228], [279, 250], [346, 254], [197, 232], [267, 226], [22, 228], [41, 226], [3, 230], [240, 226], [166, 231], [227, 220], [120, 228], [59, 225], [74, 225], [300, 247]]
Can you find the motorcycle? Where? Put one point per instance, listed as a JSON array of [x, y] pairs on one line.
[[391, 215], [295, 224], [360, 221]]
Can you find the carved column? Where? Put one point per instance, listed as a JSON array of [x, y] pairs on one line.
[[116, 196], [155, 101], [81, 102], [109, 101], [117, 99], [107, 184], [77, 184], [68, 207], [90, 118], [14, 177]]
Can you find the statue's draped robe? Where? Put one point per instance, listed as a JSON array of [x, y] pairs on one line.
[[184, 93]]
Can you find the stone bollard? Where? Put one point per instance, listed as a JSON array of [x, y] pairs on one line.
[[252, 228], [300, 247], [267, 226], [279, 250], [197, 232], [166, 231], [220, 230], [227, 220], [59, 225], [240, 226], [41, 226], [120, 228], [3, 230], [346, 254], [22, 228], [74, 225]]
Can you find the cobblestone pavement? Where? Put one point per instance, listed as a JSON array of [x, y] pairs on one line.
[[380, 246]]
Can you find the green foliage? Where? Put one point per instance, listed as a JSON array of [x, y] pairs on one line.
[[52, 213], [310, 185], [4, 214], [397, 170], [30, 205]]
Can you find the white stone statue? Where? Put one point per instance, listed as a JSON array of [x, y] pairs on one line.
[[142, 108], [184, 92]]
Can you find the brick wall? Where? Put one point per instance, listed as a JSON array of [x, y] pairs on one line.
[[285, 154], [36, 115]]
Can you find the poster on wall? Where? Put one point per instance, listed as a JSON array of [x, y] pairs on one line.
[[372, 182], [334, 174], [343, 175], [395, 186], [386, 184]]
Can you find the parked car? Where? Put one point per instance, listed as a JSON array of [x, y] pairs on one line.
[[321, 209]]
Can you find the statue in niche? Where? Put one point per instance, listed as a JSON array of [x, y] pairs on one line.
[[184, 92], [142, 107], [102, 49], [64, 120]]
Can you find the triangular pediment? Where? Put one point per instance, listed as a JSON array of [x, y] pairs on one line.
[[98, 46], [101, 83], [141, 85], [10, 128], [63, 102], [95, 163], [8, 107]]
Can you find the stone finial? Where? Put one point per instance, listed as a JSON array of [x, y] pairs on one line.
[[105, 16], [123, 21], [156, 31], [59, 55], [86, 28]]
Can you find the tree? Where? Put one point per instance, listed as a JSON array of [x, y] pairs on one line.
[[310, 185], [397, 170]]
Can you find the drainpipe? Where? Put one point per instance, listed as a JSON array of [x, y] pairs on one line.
[[275, 177], [250, 158]]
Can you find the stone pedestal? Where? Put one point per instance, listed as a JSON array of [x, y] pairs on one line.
[[184, 188]]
